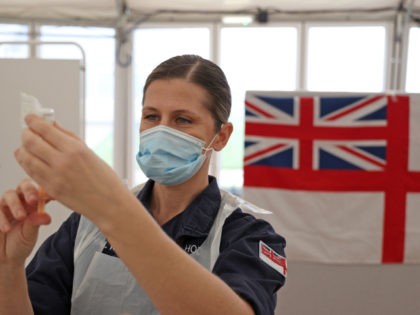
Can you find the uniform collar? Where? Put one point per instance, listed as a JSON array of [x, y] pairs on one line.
[[197, 219]]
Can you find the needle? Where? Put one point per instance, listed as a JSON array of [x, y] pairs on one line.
[[41, 200]]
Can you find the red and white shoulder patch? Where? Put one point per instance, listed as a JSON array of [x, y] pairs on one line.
[[273, 259]]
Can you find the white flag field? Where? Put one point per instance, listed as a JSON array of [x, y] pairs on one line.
[[339, 171]]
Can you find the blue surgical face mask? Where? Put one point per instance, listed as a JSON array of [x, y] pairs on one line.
[[170, 157]]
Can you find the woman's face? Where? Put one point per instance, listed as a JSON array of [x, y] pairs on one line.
[[178, 104]]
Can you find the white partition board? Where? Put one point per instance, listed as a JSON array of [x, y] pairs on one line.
[[56, 84]]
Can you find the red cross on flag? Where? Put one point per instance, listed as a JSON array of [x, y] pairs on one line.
[[339, 171]]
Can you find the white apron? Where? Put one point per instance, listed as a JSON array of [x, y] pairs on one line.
[[102, 285]]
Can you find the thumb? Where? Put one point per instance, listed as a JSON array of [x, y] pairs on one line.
[[31, 226]]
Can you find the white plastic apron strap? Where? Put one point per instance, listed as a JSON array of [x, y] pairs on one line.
[[209, 250]]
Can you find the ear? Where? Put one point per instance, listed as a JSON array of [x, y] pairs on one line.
[[223, 136]]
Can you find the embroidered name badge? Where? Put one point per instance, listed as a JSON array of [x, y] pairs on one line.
[[192, 249], [108, 250], [273, 259]]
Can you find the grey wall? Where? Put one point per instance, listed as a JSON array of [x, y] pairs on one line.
[[350, 290]]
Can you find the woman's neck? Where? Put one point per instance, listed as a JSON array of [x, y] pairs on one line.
[[168, 201]]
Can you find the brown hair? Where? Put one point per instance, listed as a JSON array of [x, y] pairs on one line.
[[200, 71]]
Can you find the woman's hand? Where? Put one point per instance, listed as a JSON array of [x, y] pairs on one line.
[[67, 169], [19, 223]]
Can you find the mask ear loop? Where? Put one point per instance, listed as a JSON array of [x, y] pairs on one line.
[[206, 149]]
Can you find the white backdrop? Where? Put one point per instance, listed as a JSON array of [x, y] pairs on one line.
[[56, 84]]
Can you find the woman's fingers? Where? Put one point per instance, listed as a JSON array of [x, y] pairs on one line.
[[49, 153], [55, 135], [16, 205], [35, 219], [29, 190], [21, 204], [37, 146], [11, 210], [12, 206], [34, 167], [5, 220], [67, 132]]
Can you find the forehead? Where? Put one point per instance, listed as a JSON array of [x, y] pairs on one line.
[[177, 94]]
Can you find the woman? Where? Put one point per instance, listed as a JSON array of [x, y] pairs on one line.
[[185, 248]]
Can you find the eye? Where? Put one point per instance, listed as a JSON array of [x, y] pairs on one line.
[[183, 120], [150, 117]]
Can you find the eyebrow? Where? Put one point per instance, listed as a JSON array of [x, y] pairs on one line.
[[185, 111], [178, 111]]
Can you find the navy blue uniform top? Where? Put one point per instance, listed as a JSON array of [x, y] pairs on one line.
[[50, 273]]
